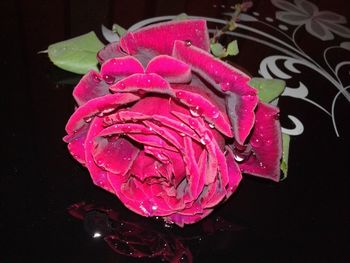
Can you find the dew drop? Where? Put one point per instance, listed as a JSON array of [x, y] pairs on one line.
[[88, 119], [239, 158], [203, 141], [121, 85], [188, 43], [195, 111], [212, 125], [182, 134], [96, 78], [179, 94], [109, 79]]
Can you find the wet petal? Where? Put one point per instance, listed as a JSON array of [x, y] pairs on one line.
[[112, 50], [234, 173], [143, 83], [266, 144], [117, 68], [98, 175], [89, 87], [76, 144], [171, 69], [229, 79], [181, 220], [97, 105], [147, 38], [125, 128], [200, 106], [115, 155]]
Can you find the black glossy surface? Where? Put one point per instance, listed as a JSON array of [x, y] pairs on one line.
[[305, 218]]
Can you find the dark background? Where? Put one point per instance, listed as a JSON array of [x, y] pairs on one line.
[[305, 218]]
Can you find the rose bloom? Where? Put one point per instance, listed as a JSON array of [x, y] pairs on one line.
[[168, 128]]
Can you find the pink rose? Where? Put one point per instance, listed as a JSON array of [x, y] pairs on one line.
[[167, 127]]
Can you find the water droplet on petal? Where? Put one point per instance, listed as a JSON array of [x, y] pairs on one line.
[[88, 119], [96, 78], [239, 158], [188, 43], [182, 134], [109, 79], [211, 125], [195, 111]]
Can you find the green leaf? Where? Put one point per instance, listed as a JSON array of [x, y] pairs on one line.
[[285, 154], [218, 50], [232, 48], [268, 89], [118, 29], [76, 55], [181, 16]]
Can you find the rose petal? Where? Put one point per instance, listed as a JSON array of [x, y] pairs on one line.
[[266, 144], [234, 172], [116, 155], [194, 31], [97, 105], [144, 83], [201, 106], [89, 87], [171, 69], [99, 176], [117, 68], [181, 220], [112, 50], [230, 80], [76, 144]]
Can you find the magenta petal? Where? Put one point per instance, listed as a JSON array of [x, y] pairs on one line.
[[76, 144], [151, 140], [229, 79], [111, 50], [144, 167], [201, 106], [97, 105], [193, 31], [193, 175], [89, 87], [234, 172], [125, 128], [181, 220], [171, 69], [266, 144], [98, 175], [144, 83], [117, 68], [116, 155]]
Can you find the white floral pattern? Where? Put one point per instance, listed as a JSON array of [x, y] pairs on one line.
[[321, 24]]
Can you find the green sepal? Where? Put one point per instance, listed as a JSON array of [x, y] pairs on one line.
[[268, 89], [77, 55], [232, 48], [285, 154]]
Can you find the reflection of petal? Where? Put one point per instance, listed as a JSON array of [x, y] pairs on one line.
[[306, 6], [286, 6], [318, 30], [292, 18], [330, 17], [338, 29]]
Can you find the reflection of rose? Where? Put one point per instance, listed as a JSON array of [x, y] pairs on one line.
[[156, 125], [129, 237]]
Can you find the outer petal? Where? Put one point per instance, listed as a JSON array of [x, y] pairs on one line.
[[234, 173], [117, 68], [95, 106], [112, 50], [194, 31], [144, 83], [230, 80], [266, 144], [171, 69], [98, 175], [89, 87], [76, 144]]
